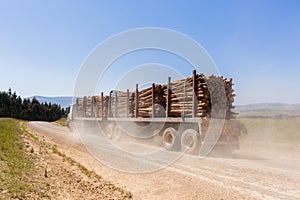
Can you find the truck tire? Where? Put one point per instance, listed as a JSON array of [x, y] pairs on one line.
[[190, 140], [170, 139], [117, 133], [109, 131]]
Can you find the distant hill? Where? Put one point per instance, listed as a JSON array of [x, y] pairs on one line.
[[64, 102], [251, 110], [265, 105], [279, 110]]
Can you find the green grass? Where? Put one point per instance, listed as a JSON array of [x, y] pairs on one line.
[[29, 133], [14, 162], [70, 160], [82, 168], [61, 122], [16, 167]]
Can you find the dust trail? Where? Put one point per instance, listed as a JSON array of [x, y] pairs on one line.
[[271, 138]]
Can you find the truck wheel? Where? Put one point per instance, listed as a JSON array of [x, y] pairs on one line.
[[189, 140], [117, 133], [170, 140], [109, 131]]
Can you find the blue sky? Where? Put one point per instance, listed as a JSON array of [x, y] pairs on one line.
[[257, 43]]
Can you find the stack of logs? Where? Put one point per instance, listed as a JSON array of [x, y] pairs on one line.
[[88, 106], [122, 107], [92, 106], [97, 109], [79, 107], [123, 104], [219, 97], [145, 108], [212, 97], [181, 98]]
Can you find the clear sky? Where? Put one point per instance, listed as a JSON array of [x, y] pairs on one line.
[[257, 43]]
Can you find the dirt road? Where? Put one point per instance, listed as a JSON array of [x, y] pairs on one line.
[[252, 173]]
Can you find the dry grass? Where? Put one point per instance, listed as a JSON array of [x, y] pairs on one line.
[[61, 122], [272, 131]]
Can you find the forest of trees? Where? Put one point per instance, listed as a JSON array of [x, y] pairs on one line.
[[14, 106]]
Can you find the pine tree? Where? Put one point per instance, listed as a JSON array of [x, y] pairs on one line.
[[12, 105]]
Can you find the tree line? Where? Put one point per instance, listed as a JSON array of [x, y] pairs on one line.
[[12, 105]]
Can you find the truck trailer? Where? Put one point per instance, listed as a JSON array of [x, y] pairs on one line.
[[177, 115]]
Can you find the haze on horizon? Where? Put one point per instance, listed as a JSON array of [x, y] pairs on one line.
[[257, 43]]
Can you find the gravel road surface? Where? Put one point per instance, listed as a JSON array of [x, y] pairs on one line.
[[251, 172]]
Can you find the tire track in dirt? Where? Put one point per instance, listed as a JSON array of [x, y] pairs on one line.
[[232, 178]]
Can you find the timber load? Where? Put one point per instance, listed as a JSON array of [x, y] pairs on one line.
[[195, 96]]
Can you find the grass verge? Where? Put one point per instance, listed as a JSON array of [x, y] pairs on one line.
[[14, 162], [82, 168], [61, 122]]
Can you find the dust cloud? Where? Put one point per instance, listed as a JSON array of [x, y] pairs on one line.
[[271, 138]]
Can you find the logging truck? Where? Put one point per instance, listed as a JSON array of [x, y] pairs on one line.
[[180, 112]]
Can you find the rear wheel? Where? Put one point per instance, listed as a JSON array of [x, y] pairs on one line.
[[190, 141], [109, 131], [117, 133], [170, 139]]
